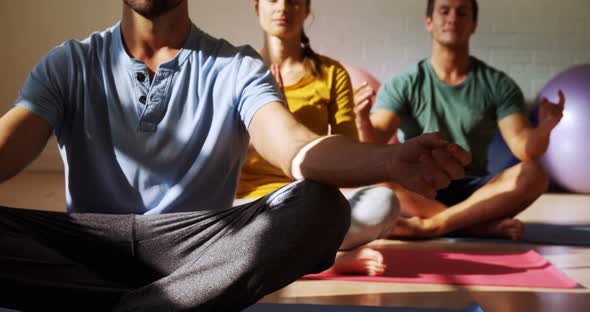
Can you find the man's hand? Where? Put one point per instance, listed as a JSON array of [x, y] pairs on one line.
[[428, 163], [363, 101], [550, 113]]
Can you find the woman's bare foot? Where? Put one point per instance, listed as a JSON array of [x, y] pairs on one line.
[[506, 228], [362, 260]]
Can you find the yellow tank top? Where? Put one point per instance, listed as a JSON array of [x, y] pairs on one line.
[[324, 105]]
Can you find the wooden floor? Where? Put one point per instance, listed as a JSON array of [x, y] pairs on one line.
[[46, 191]]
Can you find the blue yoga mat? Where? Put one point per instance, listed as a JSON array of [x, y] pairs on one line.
[[272, 307], [540, 233], [557, 234]]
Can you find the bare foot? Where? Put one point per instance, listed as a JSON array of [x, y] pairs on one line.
[[506, 228], [362, 260], [414, 227]]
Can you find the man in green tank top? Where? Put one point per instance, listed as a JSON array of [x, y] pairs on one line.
[[466, 100]]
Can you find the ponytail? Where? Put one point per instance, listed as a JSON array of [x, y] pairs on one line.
[[311, 60]]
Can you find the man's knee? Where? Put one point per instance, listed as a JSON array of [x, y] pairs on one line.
[[374, 214], [330, 196], [532, 178], [375, 206], [326, 204], [322, 219]]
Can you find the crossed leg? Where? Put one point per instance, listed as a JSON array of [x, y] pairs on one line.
[[488, 212], [374, 211], [209, 260]]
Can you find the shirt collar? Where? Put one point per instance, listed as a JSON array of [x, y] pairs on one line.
[[126, 60]]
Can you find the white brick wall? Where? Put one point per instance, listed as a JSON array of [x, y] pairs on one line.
[[532, 40]]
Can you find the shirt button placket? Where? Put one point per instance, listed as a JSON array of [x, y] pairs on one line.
[[140, 76]]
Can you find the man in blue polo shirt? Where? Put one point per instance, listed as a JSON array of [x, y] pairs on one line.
[[153, 119]]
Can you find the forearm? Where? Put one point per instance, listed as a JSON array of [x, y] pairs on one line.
[[525, 141], [533, 144], [10, 165], [22, 138], [366, 132], [370, 134], [340, 161]]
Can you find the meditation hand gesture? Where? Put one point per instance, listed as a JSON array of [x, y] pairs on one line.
[[428, 163], [363, 101], [550, 113]]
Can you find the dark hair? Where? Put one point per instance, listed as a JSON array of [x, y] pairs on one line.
[[311, 60], [474, 6]]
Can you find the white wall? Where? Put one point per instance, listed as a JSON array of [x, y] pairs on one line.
[[532, 40]]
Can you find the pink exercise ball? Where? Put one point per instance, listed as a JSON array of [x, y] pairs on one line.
[[567, 160], [358, 76]]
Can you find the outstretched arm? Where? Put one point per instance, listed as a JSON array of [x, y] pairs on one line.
[[23, 135], [423, 164], [525, 141]]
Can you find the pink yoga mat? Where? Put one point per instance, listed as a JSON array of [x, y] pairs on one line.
[[526, 269]]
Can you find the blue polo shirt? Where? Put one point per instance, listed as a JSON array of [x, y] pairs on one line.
[[131, 144]]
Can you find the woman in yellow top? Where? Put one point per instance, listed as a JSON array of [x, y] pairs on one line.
[[319, 93]]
